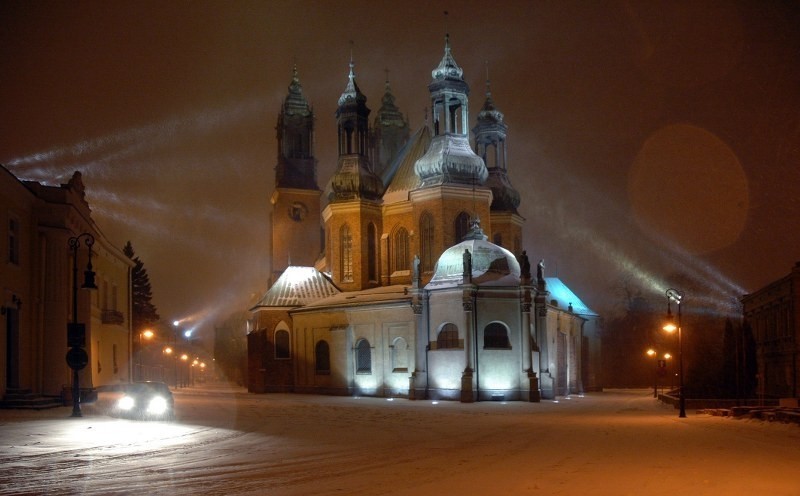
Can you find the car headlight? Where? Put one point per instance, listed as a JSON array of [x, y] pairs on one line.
[[157, 406], [125, 403]]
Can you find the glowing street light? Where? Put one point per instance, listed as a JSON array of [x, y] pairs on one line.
[[148, 334], [652, 354], [671, 326]]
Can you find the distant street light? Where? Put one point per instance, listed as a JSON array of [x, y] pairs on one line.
[[652, 354], [77, 358], [670, 326]]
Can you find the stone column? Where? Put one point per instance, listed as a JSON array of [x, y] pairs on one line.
[[467, 390], [418, 379]]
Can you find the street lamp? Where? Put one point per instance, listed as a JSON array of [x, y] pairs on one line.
[[670, 326], [77, 358]]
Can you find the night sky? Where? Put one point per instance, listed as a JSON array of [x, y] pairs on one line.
[[654, 143]]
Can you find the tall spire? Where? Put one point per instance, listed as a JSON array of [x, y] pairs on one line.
[[450, 158], [295, 133], [354, 177], [390, 131], [490, 144]]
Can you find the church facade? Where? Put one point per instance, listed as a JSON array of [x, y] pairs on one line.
[[409, 279]]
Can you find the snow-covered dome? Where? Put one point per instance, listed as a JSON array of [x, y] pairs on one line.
[[491, 265]]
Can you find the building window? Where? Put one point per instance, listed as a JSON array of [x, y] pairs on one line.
[[426, 232], [448, 337], [346, 253], [363, 357], [399, 355], [322, 358], [462, 226], [495, 335], [372, 252], [498, 239], [400, 256], [282, 344], [13, 241]]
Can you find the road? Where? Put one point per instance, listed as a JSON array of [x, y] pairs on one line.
[[228, 442]]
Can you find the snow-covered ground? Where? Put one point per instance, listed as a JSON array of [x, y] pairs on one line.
[[230, 443]]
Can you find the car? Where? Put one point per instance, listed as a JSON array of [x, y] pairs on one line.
[[146, 400]]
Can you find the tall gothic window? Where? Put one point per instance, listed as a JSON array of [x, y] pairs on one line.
[[322, 358], [363, 357], [372, 252], [346, 253], [282, 344], [426, 231], [495, 335], [400, 258], [462, 226]]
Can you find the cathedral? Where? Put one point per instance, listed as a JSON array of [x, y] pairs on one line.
[[405, 276]]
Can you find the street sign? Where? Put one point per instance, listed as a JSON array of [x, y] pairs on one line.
[[77, 358]]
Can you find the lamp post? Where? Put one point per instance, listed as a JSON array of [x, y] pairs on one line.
[[77, 357], [669, 326]]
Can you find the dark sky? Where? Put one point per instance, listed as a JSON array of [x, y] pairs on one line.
[[654, 143]]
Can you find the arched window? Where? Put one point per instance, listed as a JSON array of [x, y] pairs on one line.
[[346, 253], [282, 344], [462, 226], [322, 358], [498, 239], [372, 252], [495, 335], [426, 231], [448, 337], [400, 258], [399, 355], [363, 357]]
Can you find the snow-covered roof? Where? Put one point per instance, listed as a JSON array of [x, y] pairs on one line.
[[297, 286], [399, 176], [365, 297], [565, 297]]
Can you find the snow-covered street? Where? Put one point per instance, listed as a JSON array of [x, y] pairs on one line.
[[230, 442]]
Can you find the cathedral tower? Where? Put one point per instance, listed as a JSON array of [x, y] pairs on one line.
[[490, 143], [296, 201], [451, 175], [353, 216], [390, 132]]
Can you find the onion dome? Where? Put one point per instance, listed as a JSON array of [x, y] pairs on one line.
[[487, 263]]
